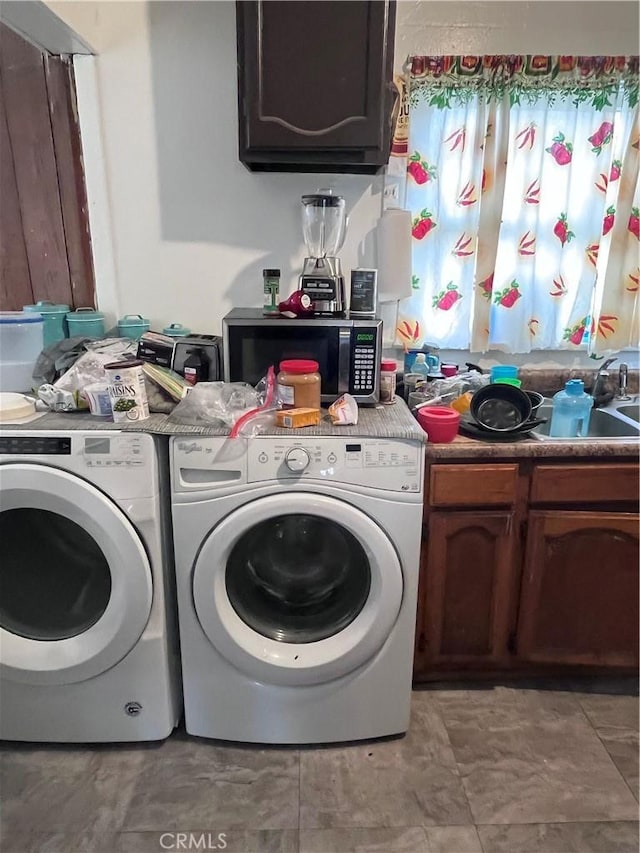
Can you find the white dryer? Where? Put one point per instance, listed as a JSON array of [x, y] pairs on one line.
[[88, 646], [297, 575]]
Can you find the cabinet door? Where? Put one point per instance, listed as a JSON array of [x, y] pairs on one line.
[[315, 75], [467, 586], [579, 598]]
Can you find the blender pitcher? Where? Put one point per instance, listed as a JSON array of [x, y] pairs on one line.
[[324, 225]]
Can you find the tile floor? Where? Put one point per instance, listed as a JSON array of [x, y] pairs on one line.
[[483, 769]]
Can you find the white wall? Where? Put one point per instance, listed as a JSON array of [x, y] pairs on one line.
[[182, 229]]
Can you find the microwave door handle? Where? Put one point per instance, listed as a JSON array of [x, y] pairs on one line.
[[344, 359]]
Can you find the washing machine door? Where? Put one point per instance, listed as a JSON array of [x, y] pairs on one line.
[[75, 580], [297, 588]]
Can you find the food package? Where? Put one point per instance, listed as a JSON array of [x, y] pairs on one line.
[[344, 411], [295, 418]]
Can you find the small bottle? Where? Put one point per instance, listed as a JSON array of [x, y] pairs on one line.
[[420, 365], [571, 411], [194, 367], [387, 381], [271, 279]]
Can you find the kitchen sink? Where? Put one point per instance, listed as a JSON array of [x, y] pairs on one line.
[[630, 411], [604, 424]]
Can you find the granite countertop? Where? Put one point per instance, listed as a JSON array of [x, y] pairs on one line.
[[471, 449], [394, 421]]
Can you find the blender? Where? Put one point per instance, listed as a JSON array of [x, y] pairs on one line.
[[324, 225]]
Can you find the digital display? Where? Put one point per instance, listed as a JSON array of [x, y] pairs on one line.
[[354, 448], [97, 445], [35, 445], [364, 336]]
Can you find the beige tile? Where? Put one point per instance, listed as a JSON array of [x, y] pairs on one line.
[[622, 745], [618, 711], [529, 756], [198, 783], [588, 837], [410, 839], [453, 839], [412, 781]]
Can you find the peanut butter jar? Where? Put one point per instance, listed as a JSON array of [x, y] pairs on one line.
[[299, 384]]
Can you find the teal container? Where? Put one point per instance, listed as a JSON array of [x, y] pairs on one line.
[[571, 411], [86, 322], [133, 326], [503, 371], [176, 330], [54, 316]]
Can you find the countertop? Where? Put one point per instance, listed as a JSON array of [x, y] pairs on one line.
[[393, 421]]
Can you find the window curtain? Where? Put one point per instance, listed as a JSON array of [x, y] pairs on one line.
[[522, 180]]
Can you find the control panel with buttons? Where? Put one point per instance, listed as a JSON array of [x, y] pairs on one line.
[[364, 367]]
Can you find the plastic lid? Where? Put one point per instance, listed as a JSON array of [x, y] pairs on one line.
[[388, 364], [44, 307], [575, 387], [420, 358], [271, 273], [132, 320], [176, 330], [9, 317], [85, 314], [299, 365]]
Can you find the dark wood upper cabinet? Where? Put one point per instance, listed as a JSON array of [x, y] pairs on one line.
[[315, 84]]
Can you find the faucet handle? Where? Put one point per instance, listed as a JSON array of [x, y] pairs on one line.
[[623, 375]]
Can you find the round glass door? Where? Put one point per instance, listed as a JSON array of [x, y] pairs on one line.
[[54, 578], [75, 580], [298, 578], [297, 588]]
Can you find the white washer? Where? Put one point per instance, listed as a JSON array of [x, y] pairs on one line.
[[88, 648], [297, 575]]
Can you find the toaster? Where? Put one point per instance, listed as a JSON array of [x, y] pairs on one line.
[[209, 347]]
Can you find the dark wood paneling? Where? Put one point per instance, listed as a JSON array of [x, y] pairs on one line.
[[28, 122], [585, 483], [472, 485], [15, 281], [73, 197], [579, 601], [469, 583]]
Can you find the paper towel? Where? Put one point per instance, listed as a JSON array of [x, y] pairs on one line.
[[394, 255]]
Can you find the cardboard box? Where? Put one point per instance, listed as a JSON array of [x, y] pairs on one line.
[[296, 418]]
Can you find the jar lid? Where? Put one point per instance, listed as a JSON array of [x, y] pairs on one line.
[[271, 273], [9, 317], [123, 365], [44, 307], [299, 365], [176, 330], [132, 320], [85, 314], [388, 364]]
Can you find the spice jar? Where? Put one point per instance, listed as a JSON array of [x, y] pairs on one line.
[[387, 381], [299, 384]]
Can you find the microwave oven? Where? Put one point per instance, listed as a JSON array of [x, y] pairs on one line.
[[347, 350]]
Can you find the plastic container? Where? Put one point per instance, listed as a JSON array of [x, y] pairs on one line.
[[133, 326], [97, 395], [571, 411], [448, 369], [176, 330], [503, 371], [388, 381], [127, 390], [86, 322], [55, 323], [508, 380], [439, 422], [271, 287], [299, 384], [421, 365], [21, 341]]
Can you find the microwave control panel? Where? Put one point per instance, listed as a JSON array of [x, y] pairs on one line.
[[363, 374]]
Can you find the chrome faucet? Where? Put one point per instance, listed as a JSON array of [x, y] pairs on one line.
[[623, 377], [602, 371]]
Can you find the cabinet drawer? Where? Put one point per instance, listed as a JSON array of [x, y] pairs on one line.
[[472, 485], [584, 483]]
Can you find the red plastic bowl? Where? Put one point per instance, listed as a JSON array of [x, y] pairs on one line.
[[439, 422]]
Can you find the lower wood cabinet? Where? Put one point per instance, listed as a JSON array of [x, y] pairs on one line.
[[562, 597], [466, 614], [579, 599]]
